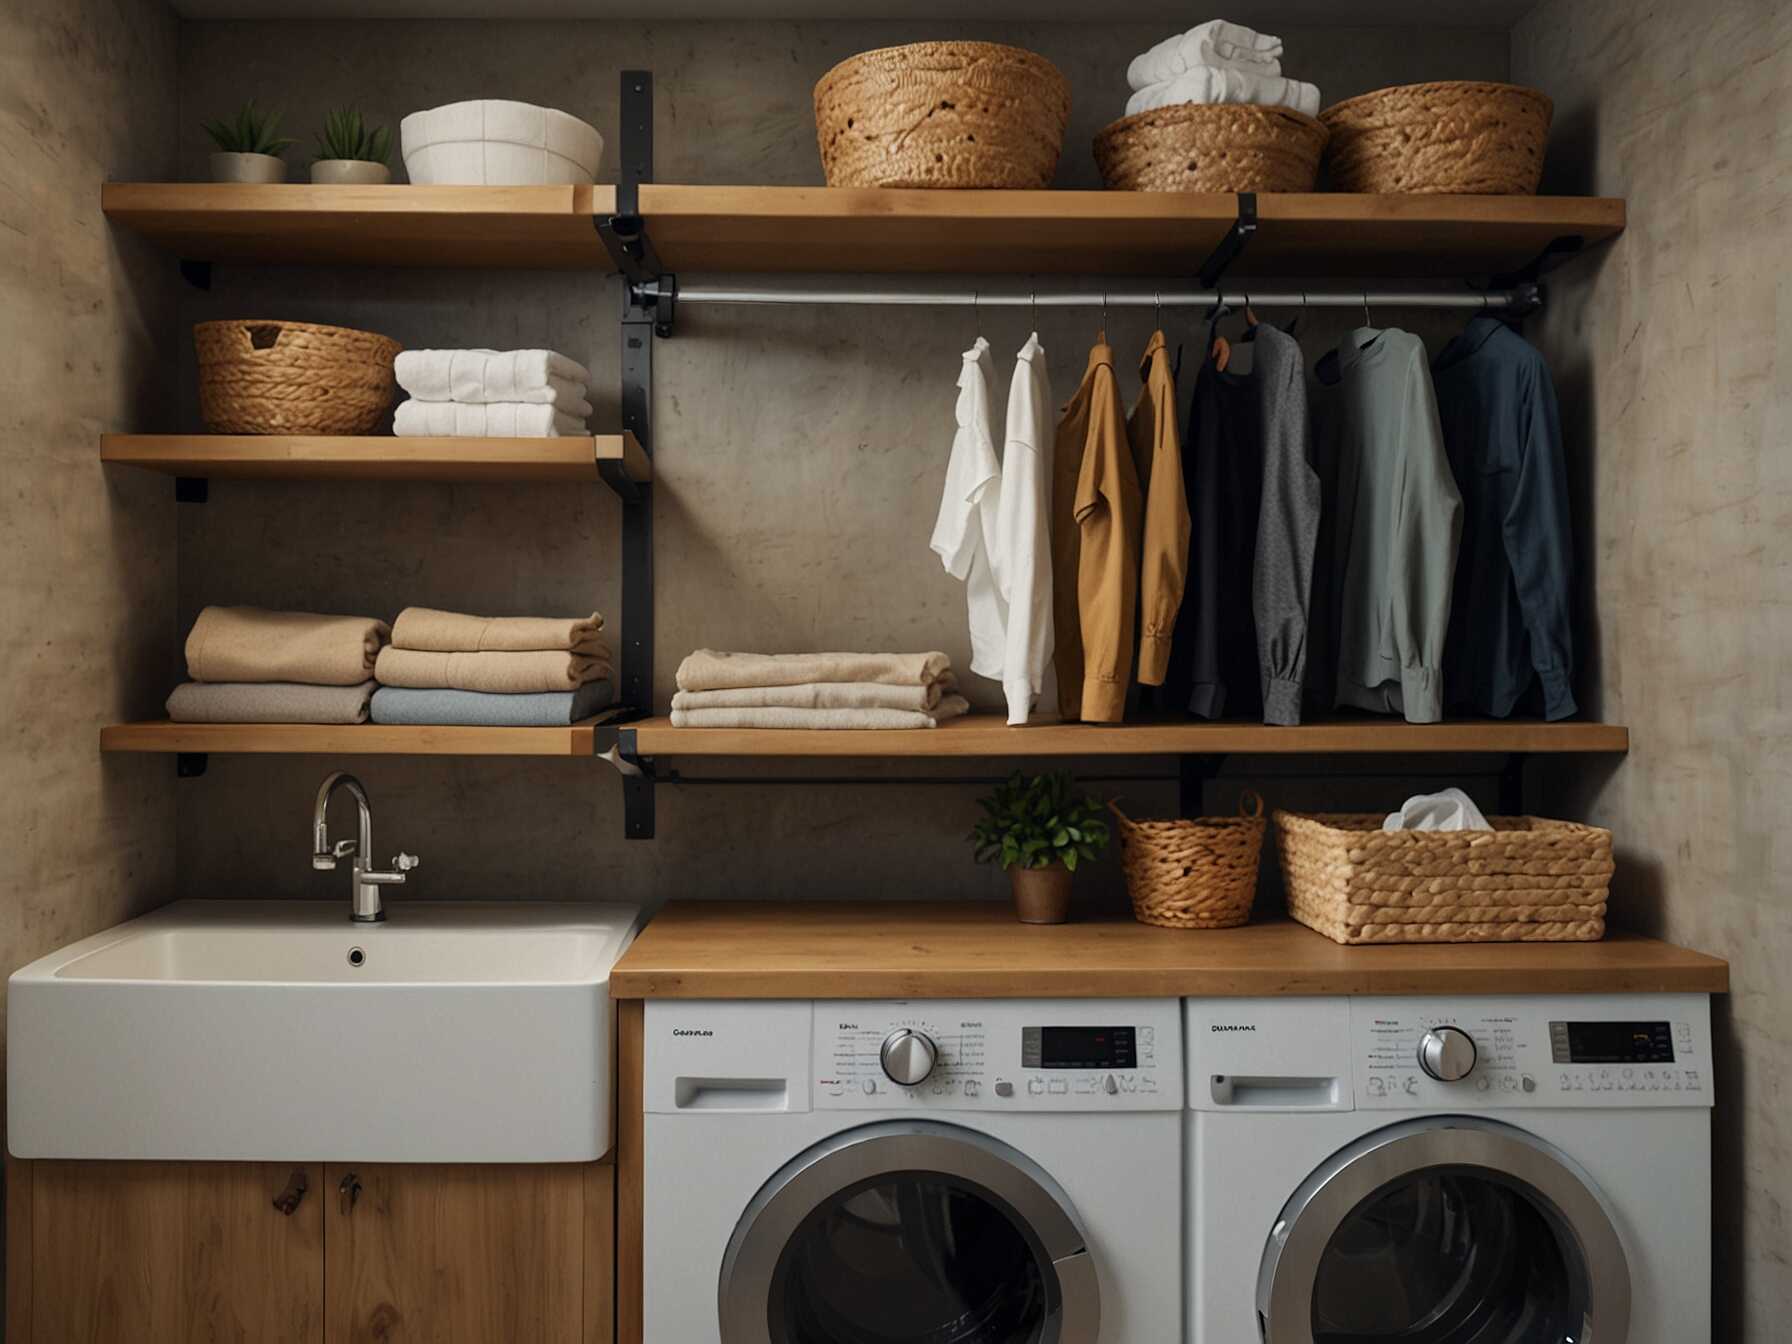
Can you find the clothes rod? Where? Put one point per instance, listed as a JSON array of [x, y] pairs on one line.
[[1169, 298]]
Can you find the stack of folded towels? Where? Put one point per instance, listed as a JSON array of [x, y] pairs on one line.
[[253, 666], [499, 394], [1215, 62], [492, 671], [815, 690]]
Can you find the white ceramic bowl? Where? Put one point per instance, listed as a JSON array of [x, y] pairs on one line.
[[497, 143]]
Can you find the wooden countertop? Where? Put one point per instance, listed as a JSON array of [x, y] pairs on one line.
[[934, 949]]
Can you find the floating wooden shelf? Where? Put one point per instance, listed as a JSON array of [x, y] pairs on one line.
[[371, 457], [731, 228], [989, 735], [365, 739]]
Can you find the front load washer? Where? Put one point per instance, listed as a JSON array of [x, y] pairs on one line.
[[1530, 1170], [964, 1172]]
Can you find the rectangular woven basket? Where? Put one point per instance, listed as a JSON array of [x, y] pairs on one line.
[[1527, 880]]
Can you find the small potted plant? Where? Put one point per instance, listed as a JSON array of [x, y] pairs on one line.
[[1039, 827], [349, 154], [248, 150]]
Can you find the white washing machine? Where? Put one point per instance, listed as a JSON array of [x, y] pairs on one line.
[[1450, 1170], [965, 1172]]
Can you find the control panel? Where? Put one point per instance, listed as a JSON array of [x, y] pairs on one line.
[[984, 1054]]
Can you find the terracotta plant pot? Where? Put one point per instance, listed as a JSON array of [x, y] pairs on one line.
[[1041, 895]]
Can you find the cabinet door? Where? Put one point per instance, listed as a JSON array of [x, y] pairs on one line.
[[456, 1254], [174, 1253]]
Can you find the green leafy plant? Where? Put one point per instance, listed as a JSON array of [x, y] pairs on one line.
[[251, 131], [1033, 821], [345, 136]]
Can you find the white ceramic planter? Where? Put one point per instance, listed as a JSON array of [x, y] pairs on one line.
[[248, 168], [495, 142], [350, 173]]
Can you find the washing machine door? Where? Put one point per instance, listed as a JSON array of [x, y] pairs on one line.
[[1448, 1230], [909, 1232]]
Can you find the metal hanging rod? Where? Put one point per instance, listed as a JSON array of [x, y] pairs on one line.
[[1523, 297]]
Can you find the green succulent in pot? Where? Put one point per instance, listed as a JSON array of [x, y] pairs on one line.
[[248, 148], [350, 151], [1039, 828]]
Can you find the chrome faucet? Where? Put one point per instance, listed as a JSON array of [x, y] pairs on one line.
[[365, 908]]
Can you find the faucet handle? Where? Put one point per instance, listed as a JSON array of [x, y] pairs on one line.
[[405, 862]]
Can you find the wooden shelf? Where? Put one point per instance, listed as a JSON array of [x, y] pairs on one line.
[[988, 735], [366, 739], [295, 223], [372, 457]]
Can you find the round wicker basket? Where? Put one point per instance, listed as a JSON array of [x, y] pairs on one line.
[[942, 114], [1459, 137], [260, 377], [1193, 874], [1211, 147]]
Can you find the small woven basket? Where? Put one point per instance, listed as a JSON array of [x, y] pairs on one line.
[[1193, 874], [292, 378], [942, 114], [1526, 880], [1211, 147], [1453, 138]]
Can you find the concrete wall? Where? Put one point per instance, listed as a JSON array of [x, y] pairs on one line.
[[799, 460], [1671, 358]]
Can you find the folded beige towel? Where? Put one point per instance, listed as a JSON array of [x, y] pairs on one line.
[[505, 673], [709, 670], [249, 644], [779, 716], [451, 632], [820, 695], [268, 702]]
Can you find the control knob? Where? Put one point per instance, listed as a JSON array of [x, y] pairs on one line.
[[908, 1056], [1447, 1054]]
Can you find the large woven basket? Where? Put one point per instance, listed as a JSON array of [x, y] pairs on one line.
[[1527, 880], [292, 378], [1193, 874], [942, 114], [1211, 147], [1458, 137]]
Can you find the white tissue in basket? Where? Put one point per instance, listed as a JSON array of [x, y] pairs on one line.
[[498, 143]]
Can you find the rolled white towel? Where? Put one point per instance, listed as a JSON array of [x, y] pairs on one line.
[[1225, 46], [492, 420], [490, 375], [1208, 85]]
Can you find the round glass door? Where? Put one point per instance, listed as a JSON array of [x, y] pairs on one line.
[[1452, 1231], [909, 1233]]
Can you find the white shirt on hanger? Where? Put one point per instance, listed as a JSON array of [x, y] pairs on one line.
[[1022, 554], [965, 532]]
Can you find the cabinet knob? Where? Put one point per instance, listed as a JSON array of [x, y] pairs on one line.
[[289, 1199], [348, 1192]]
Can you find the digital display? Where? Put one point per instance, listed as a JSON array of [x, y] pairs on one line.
[[1078, 1048], [1611, 1043]]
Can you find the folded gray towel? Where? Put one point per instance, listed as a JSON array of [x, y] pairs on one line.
[[268, 702], [489, 709]]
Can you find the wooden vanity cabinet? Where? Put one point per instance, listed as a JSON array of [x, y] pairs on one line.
[[182, 1252]]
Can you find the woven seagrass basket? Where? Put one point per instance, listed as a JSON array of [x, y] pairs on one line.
[[1211, 147], [1454, 138], [1526, 880], [1198, 873], [292, 378], [942, 114]]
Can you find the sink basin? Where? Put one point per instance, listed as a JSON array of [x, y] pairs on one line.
[[281, 1031]]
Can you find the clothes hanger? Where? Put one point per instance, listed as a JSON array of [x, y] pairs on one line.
[[1101, 334], [1220, 351]]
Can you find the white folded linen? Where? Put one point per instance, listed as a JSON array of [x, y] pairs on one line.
[[784, 716], [1216, 43], [1205, 84], [497, 420], [492, 375], [1451, 810]]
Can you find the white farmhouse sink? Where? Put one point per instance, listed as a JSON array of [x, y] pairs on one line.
[[282, 1031]]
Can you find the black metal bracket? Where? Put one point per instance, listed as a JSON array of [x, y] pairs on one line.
[[1233, 244], [196, 273], [1512, 785], [1554, 253], [189, 764], [624, 233], [1192, 774], [191, 489], [638, 780]]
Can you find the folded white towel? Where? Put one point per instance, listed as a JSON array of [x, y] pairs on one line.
[[1208, 85], [1227, 46], [498, 420], [491, 375]]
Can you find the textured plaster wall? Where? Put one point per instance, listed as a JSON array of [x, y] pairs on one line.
[[1671, 355]]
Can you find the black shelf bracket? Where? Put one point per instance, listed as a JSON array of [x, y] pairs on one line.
[[624, 233], [1192, 775], [1233, 244], [1554, 253], [196, 273], [189, 764], [638, 779], [191, 489], [1512, 785]]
